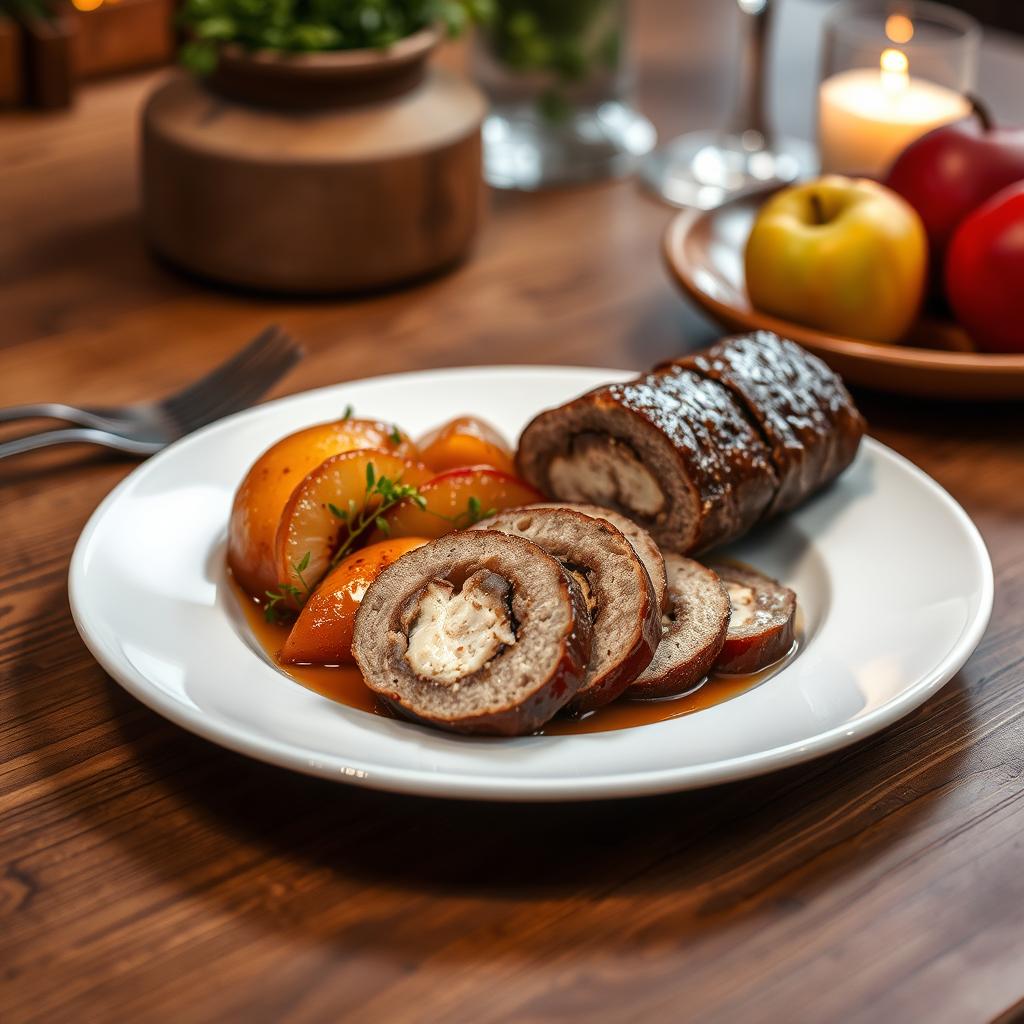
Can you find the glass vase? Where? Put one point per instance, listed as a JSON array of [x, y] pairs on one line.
[[557, 75]]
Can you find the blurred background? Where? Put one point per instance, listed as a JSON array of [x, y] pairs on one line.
[[89, 230]]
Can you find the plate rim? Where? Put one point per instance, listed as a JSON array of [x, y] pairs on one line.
[[450, 785], [951, 364]]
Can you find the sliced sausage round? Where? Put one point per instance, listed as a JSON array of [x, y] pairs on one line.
[[619, 593], [642, 542], [762, 626], [476, 632], [694, 630]]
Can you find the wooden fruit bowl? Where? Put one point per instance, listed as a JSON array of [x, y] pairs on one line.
[[704, 252]]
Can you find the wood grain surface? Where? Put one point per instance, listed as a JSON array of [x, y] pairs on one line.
[[147, 875]]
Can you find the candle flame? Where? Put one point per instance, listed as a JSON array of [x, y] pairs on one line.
[[899, 28], [86, 5], [895, 70]]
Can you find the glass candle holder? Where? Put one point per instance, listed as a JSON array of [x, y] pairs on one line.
[[892, 70], [558, 78], [703, 169]]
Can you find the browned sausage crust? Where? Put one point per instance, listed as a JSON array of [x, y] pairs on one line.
[[694, 631], [762, 625], [624, 609], [476, 632], [670, 449], [802, 408]]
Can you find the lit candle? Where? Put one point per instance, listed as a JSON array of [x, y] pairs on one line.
[[866, 117]]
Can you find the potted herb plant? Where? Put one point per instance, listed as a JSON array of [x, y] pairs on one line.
[[309, 53], [312, 149]]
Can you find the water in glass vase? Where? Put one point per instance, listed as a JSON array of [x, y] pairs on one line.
[[558, 80]]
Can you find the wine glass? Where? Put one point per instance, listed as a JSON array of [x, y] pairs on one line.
[[703, 169]]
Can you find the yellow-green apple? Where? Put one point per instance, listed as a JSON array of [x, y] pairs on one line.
[[844, 255]]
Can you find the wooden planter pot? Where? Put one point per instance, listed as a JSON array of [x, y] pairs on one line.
[[314, 173]]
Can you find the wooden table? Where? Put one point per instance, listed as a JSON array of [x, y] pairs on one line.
[[148, 875]]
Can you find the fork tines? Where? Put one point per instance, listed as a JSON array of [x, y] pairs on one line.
[[236, 383]]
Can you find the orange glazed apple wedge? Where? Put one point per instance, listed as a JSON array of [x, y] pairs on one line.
[[465, 441], [331, 509], [455, 500], [322, 634], [265, 491]]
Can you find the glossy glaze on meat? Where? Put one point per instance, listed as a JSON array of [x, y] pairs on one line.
[[725, 457], [802, 408]]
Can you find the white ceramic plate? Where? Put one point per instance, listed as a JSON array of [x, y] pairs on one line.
[[893, 578]]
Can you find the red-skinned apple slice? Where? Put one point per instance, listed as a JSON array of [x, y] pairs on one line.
[[455, 500], [339, 494]]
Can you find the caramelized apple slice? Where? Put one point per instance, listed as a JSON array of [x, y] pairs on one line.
[[322, 634], [465, 441], [455, 500], [339, 497], [265, 491]]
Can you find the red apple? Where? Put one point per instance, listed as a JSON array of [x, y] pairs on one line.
[[951, 171], [985, 272]]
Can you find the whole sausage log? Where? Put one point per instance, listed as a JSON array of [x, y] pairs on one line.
[[700, 450]]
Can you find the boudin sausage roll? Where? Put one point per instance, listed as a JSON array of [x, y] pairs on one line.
[[762, 625], [619, 593], [694, 630], [671, 450], [476, 632], [801, 407], [641, 541]]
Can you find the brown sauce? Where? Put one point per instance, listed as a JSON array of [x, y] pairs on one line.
[[344, 684]]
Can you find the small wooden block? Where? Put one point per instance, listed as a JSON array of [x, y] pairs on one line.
[[12, 68], [123, 35], [48, 44]]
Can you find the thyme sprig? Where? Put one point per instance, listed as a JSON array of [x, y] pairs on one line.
[[288, 591], [381, 494], [474, 513]]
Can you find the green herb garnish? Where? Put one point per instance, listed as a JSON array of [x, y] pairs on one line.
[[381, 494], [313, 25]]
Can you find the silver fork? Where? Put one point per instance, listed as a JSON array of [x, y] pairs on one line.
[[146, 427]]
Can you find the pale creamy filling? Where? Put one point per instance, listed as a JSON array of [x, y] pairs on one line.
[[744, 603], [455, 634], [605, 471]]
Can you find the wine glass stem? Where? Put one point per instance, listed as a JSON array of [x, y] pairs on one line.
[[750, 112]]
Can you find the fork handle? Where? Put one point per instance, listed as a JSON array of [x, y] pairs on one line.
[[75, 435], [54, 411]]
